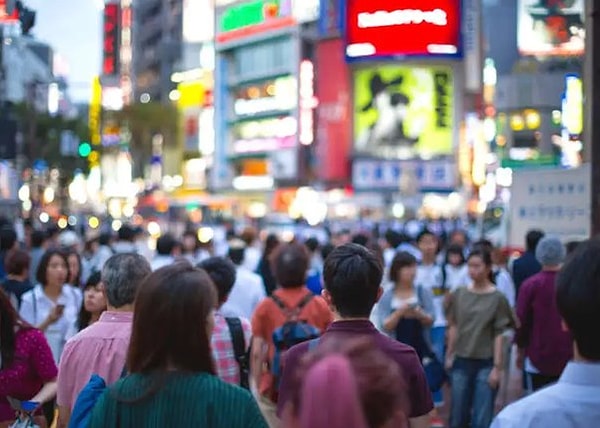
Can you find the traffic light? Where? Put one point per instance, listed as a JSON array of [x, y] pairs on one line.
[[85, 149], [26, 16]]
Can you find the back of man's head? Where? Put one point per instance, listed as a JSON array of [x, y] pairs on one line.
[[121, 276], [38, 238], [237, 251], [532, 239], [165, 245], [126, 233], [578, 297], [8, 238], [222, 272], [352, 276], [290, 263]]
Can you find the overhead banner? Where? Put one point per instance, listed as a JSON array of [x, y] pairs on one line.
[[551, 28], [403, 111], [383, 28]]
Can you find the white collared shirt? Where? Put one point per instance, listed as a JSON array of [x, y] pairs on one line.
[[36, 313], [573, 402]]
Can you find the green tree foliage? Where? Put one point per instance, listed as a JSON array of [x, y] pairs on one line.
[[144, 121]]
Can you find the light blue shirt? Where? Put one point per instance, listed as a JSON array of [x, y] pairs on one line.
[[573, 402]]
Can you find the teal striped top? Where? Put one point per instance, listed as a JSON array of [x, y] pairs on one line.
[[184, 400]]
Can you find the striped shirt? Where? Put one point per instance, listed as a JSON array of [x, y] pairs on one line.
[[183, 400]]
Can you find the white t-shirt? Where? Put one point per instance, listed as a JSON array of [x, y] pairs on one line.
[[245, 295], [430, 276], [36, 312]]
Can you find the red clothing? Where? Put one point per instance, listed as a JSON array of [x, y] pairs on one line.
[[268, 317], [418, 392], [32, 366], [540, 333]]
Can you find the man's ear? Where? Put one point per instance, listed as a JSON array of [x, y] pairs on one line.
[[327, 296]]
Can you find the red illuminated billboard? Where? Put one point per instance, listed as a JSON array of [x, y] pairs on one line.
[[110, 50], [334, 135], [383, 28], [4, 16]]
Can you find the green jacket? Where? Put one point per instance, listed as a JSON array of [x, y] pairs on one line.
[[181, 400]]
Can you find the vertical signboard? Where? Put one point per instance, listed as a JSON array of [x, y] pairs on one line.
[[472, 49], [330, 18], [111, 32], [333, 115]]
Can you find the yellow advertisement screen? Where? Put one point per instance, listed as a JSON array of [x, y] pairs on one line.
[[402, 111]]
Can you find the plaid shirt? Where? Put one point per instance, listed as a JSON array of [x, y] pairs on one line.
[[222, 349]]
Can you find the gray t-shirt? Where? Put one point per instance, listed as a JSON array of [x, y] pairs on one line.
[[479, 319]]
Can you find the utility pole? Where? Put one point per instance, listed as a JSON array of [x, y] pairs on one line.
[[592, 106]]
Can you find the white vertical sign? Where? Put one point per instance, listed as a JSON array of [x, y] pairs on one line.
[[473, 61]]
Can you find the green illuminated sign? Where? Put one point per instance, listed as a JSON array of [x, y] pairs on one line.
[[248, 14]]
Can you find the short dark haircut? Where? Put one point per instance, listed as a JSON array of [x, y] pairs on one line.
[[38, 237], [393, 238], [126, 233], [578, 297], [571, 246], [105, 238], [486, 257], [360, 239], [40, 275], [16, 262], [352, 276], [483, 244], [312, 244], [290, 264], [222, 272], [8, 238], [425, 232], [237, 254], [166, 244], [400, 261], [532, 238], [170, 324]]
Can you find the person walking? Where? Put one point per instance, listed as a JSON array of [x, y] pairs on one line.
[[102, 348], [544, 346], [478, 316], [172, 379]]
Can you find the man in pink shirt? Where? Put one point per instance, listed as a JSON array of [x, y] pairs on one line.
[[102, 347]]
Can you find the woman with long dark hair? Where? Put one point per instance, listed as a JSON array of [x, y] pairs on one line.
[[94, 302], [172, 379], [478, 316], [27, 369]]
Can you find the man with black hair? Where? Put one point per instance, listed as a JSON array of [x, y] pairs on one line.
[[352, 276], [167, 249], [228, 332], [527, 265], [248, 289], [573, 402], [126, 240]]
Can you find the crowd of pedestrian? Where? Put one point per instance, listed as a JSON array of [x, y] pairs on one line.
[[362, 331]]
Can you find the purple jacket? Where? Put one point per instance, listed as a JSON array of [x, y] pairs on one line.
[[540, 333]]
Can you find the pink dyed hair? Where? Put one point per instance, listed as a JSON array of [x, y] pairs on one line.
[[347, 385]]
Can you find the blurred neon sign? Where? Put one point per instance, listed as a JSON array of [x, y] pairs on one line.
[[110, 51], [308, 102]]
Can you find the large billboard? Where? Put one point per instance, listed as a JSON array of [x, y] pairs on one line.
[[551, 27], [333, 115], [381, 28], [403, 111]]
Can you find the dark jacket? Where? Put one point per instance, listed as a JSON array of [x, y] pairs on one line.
[[524, 267]]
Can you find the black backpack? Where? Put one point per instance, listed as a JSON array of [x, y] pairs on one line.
[[239, 349]]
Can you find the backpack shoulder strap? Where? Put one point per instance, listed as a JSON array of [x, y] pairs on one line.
[[239, 348], [302, 304], [278, 302]]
